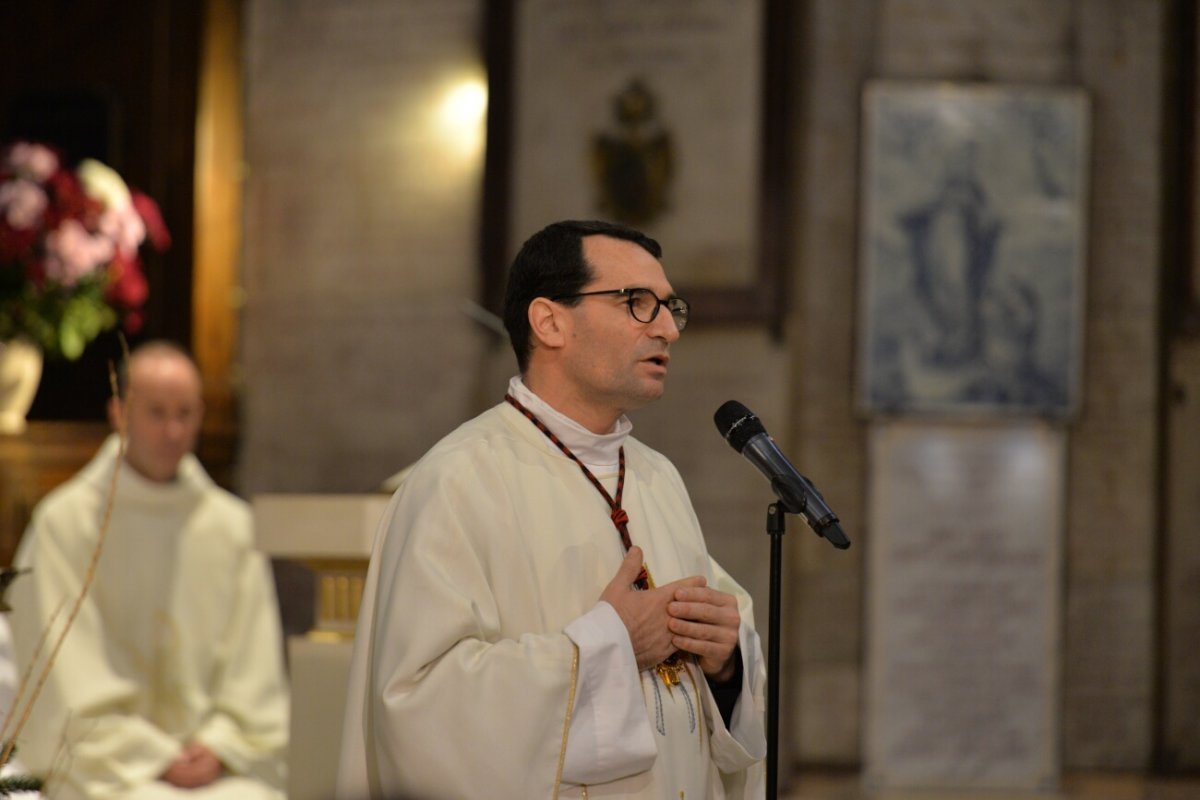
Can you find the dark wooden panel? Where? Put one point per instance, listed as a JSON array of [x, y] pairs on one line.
[[34, 463]]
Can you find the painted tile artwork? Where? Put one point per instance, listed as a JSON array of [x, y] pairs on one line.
[[972, 248]]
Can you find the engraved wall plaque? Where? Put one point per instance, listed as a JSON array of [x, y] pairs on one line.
[[964, 605]]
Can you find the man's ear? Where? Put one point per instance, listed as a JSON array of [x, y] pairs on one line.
[[547, 323]]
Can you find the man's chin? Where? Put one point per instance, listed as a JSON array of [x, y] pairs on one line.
[[166, 468], [652, 390]]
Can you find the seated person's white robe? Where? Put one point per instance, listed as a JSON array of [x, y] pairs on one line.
[[8, 689], [484, 666], [178, 639]]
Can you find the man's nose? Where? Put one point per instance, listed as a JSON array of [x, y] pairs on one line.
[[664, 325]]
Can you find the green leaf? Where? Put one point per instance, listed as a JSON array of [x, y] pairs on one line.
[[19, 783]]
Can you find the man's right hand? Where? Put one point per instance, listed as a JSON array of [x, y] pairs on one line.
[[195, 766], [644, 612]]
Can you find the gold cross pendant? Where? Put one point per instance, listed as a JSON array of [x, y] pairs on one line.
[[668, 671]]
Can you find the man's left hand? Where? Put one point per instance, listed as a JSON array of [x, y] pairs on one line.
[[195, 766], [705, 622]]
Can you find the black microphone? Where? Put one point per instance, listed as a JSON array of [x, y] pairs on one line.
[[738, 425]]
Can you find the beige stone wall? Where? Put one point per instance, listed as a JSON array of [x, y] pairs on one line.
[[827, 440], [1112, 523], [1181, 562], [360, 240]]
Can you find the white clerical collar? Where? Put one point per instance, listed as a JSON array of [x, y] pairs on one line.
[[596, 450], [190, 480]]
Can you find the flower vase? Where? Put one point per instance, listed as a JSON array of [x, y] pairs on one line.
[[20, 372]]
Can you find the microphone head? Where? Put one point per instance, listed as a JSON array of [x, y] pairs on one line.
[[737, 424]]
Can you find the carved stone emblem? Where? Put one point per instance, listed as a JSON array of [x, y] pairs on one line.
[[632, 164]]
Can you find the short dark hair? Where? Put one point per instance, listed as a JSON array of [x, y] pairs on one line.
[[551, 264]]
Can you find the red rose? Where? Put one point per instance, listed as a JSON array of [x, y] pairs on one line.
[[127, 285], [156, 229]]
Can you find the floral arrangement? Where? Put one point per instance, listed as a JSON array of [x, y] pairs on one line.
[[69, 240]]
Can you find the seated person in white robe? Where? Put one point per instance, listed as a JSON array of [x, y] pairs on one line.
[[541, 616], [170, 681]]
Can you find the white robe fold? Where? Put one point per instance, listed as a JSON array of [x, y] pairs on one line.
[[463, 675], [178, 640]]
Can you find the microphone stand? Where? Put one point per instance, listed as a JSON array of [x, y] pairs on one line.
[[776, 527]]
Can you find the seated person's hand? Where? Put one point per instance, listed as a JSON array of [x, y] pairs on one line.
[[195, 766]]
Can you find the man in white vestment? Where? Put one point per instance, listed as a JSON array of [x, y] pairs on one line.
[[170, 682], [541, 616]]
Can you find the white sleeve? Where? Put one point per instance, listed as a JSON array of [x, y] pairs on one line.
[[610, 736], [746, 723]]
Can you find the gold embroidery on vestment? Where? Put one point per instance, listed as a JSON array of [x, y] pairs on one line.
[[562, 752]]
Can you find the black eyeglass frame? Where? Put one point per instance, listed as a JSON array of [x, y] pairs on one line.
[[632, 293]]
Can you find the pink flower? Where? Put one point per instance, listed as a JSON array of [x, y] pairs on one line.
[[72, 253], [22, 203], [34, 161], [124, 227]]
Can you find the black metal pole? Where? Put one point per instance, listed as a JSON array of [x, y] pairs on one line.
[[776, 527]]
